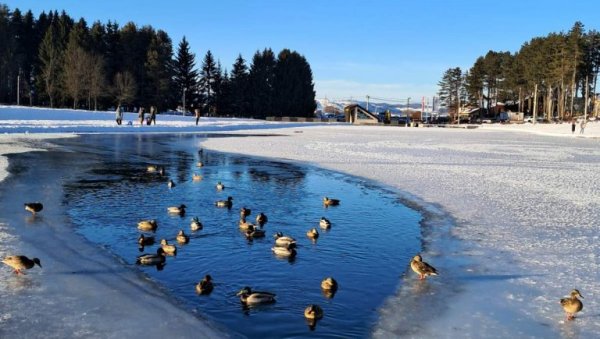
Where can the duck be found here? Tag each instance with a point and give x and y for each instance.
(225, 203)
(261, 219)
(205, 286)
(171, 183)
(281, 251)
(249, 297)
(283, 240)
(177, 209)
(195, 224)
(151, 168)
(145, 241)
(329, 284)
(220, 186)
(244, 212)
(313, 234)
(182, 238)
(572, 305)
(34, 207)
(254, 232)
(199, 164)
(21, 262)
(330, 202)
(422, 268)
(168, 248)
(324, 223)
(244, 225)
(151, 259)
(196, 177)
(313, 312)
(148, 225)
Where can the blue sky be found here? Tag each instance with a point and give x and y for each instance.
(388, 49)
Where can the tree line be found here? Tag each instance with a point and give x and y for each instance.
(553, 76)
(55, 61)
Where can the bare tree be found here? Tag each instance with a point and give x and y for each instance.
(125, 87)
(96, 81)
(75, 72)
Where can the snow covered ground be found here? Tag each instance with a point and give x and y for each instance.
(523, 200)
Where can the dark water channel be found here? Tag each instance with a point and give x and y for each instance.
(372, 238)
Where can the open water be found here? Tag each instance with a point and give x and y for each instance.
(371, 240)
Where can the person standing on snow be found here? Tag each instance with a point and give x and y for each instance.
(197, 112)
(153, 114)
(141, 115)
(119, 115)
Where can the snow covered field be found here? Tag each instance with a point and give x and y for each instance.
(523, 199)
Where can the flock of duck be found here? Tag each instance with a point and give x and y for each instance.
(284, 246)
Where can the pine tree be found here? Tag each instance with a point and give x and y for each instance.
(185, 74)
(293, 87)
(260, 83)
(207, 83)
(51, 57)
(238, 90)
(159, 69)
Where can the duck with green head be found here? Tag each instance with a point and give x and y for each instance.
(249, 297)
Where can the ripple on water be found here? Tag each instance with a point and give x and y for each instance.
(371, 239)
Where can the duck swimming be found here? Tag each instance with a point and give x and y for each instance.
(220, 186)
(244, 225)
(21, 262)
(313, 312)
(34, 207)
(148, 225)
(145, 241)
(244, 212)
(182, 238)
(168, 248)
(572, 305)
(205, 286)
(177, 209)
(261, 219)
(329, 284)
(249, 297)
(313, 234)
(225, 203)
(253, 232)
(196, 177)
(283, 240)
(324, 223)
(199, 164)
(151, 259)
(195, 225)
(422, 268)
(280, 251)
(171, 183)
(330, 202)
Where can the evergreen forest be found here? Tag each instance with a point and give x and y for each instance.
(55, 61)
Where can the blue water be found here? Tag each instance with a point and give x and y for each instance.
(372, 238)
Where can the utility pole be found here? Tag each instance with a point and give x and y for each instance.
(585, 110)
(458, 106)
(535, 104)
(407, 105)
(367, 103)
(18, 88)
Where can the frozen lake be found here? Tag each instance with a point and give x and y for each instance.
(372, 238)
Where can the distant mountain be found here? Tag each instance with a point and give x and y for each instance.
(332, 106)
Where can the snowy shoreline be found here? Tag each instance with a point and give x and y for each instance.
(523, 205)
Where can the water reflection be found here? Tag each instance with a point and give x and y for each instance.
(366, 240)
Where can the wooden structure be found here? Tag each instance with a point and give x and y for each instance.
(356, 114)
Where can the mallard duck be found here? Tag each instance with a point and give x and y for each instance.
(254, 232)
(225, 203)
(177, 209)
(281, 251)
(329, 284)
(313, 312)
(182, 238)
(196, 177)
(34, 207)
(244, 212)
(249, 297)
(220, 186)
(151, 259)
(422, 268)
(325, 223)
(283, 240)
(171, 183)
(313, 234)
(572, 305)
(205, 286)
(200, 164)
(261, 219)
(145, 241)
(21, 262)
(168, 248)
(195, 224)
(148, 225)
(161, 171)
(152, 168)
(244, 225)
(330, 202)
